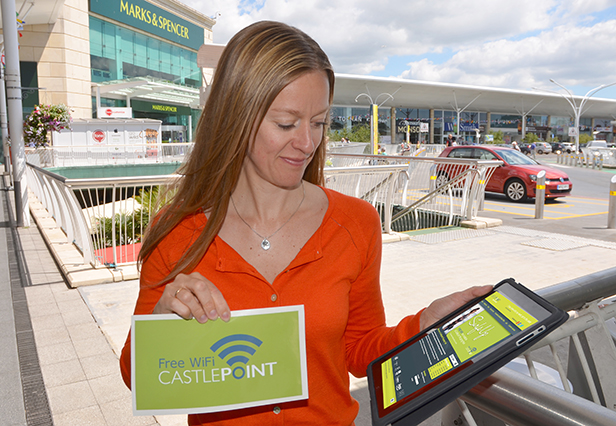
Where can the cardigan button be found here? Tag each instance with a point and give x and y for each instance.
(277, 410)
(274, 297)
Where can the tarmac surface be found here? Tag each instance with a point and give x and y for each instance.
(59, 346)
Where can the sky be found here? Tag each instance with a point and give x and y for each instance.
(515, 44)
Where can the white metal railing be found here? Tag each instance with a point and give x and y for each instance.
(89, 155)
(587, 392)
(106, 217)
(103, 217)
(418, 192)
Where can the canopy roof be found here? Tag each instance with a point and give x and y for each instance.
(149, 89)
(428, 95)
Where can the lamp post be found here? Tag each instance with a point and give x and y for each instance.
(374, 117)
(577, 109)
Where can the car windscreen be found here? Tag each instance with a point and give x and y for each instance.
(516, 158)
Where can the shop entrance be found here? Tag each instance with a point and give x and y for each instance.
(174, 134)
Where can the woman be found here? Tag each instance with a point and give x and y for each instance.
(251, 226)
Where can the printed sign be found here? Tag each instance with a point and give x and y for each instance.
(183, 367)
(107, 112)
(98, 135)
(152, 19)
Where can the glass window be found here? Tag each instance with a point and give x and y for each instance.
(461, 153)
(484, 154)
(504, 121)
(118, 52)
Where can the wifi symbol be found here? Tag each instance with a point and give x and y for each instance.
(234, 353)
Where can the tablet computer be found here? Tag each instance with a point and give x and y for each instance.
(421, 376)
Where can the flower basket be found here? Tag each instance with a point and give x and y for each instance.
(44, 120)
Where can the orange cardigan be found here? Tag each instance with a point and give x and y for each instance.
(335, 276)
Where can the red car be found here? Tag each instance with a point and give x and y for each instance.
(516, 178)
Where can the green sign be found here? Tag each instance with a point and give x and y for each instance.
(152, 19)
(145, 106)
(183, 367)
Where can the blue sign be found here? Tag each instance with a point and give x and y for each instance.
(464, 127)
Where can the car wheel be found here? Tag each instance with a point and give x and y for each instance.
(515, 190)
(441, 179)
(539, 151)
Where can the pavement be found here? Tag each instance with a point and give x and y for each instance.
(59, 344)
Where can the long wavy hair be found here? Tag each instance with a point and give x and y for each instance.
(257, 63)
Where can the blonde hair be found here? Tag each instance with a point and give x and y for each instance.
(257, 63)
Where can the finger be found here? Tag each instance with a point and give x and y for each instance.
(170, 303)
(211, 301)
(222, 308)
(190, 304)
(478, 291)
(206, 301)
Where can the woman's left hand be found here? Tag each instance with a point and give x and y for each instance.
(444, 306)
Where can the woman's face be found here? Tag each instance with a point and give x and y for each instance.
(290, 133)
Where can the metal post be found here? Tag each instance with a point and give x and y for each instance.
(540, 195)
(611, 213)
(4, 125)
(13, 94)
(374, 128)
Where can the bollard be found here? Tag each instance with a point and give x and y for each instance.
(540, 195)
(611, 213)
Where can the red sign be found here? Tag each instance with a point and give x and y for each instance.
(98, 136)
(108, 111)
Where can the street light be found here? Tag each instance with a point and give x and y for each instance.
(374, 116)
(577, 109)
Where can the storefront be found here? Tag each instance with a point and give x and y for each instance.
(133, 54)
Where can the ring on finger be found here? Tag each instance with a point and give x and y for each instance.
(177, 291)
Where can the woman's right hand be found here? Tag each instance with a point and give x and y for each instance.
(193, 296)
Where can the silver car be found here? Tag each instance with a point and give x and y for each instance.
(543, 148)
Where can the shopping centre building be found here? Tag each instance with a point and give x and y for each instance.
(115, 57)
(140, 58)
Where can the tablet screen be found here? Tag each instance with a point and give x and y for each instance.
(443, 351)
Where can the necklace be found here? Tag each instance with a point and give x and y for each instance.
(265, 244)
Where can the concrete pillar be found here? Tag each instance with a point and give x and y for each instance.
(488, 123)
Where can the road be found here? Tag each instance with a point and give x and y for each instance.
(583, 214)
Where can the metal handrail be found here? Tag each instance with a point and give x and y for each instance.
(521, 401)
(439, 190)
(379, 184)
(469, 199)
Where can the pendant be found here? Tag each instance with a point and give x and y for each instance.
(265, 245)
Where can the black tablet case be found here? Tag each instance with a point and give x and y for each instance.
(417, 410)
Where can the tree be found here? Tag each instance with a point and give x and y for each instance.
(356, 134)
(585, 138)
(531, 138)
(498, 136)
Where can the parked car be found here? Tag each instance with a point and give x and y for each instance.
(525, 148)
(569, 147)
(558, 147)
(516, 178)
(543, 148)
(596, 144)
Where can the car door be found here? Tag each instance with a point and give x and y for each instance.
(497, 180)
(458, 152)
